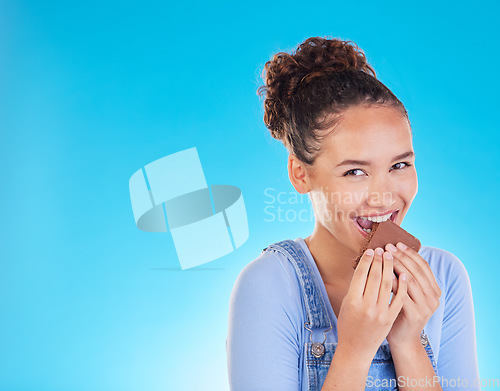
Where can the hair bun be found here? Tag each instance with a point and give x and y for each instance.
(319, 56)
(313, 58)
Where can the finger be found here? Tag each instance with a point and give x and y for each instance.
(358, 281)
(423, 300)
(416, 271)
(400, 297)
(386, 284)
(403, 260)
(409, 305)
(414, 289)
(424, 265)
(374, 277)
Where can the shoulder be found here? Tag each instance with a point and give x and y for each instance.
(268, 273)
(446, 266)
(439, 257)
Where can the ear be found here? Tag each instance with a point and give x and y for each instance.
(299, 175)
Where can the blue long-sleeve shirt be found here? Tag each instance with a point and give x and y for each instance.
(266, 324)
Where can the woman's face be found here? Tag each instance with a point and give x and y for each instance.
(366, 169)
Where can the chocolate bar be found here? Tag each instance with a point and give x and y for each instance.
(387, 232)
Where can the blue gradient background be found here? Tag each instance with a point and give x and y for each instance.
(92, 91)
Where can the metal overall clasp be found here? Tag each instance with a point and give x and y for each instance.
(317, 348)
(424, 339)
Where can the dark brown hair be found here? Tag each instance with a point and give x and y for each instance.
(307, 91)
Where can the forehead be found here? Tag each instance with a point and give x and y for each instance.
(367, 131)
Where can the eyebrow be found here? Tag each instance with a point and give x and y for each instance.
(351, 162)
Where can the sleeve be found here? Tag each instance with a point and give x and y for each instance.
(263, 342)
(457, 363)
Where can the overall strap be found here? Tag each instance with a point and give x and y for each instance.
(316, 312)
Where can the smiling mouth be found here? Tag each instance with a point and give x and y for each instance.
(366, 223)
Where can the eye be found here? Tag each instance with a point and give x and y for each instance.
(353, 172)
(398, 166)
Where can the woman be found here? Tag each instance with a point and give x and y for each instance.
(301, 317)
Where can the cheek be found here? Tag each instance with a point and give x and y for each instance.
(345, 202)
(408, 186)
(352, 196)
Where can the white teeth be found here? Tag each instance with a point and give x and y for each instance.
(366, 229)
(377, 219)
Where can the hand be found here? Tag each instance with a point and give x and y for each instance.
(365, 315)
(423, 296)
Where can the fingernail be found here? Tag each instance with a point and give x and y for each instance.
(403, 276)
(388, 256)
(379, 251)
(392, 248)
(402, 246)
(369, 252)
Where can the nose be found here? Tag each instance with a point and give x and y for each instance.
(381, 194)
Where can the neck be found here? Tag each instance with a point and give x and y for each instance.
(334, 260)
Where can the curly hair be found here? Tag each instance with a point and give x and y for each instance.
(307, 91)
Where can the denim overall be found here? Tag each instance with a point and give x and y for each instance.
(318, 354)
